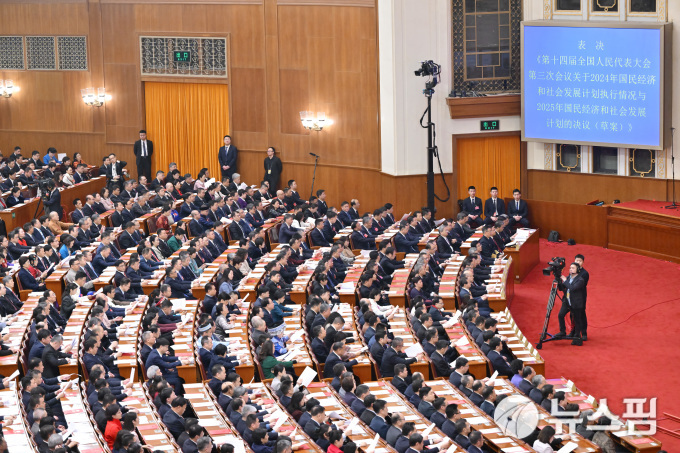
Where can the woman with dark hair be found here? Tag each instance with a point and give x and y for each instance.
(268, 361)
(66, 248)
(27, 280)
(226, 282)
(113, 424)
(545, 438)
(335, 439)
(68, 302)
(124, 439)
(105, 200)
(273, 211)
(77, 159)
(221, 323)
(322, 441)
(296, 407)
(130, 421)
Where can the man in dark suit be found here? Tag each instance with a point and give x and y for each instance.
(399, 381)
(378, 424)
(579, 259)
(440, 363)
(126, 240)
(499, 362)
(317, 234)
(403, 242)
(518, 210)
(394, 355)
(53, 200)
(476, 442)
(143, 150)
(473, 206)
(329, 230)
(493, 207)
(337, 356)
(287, 231)
(52, 357)
(361, 239)
(227, 156)
(167, 364)
(319, 417)
(318, 345)
(173, 419)
(574, 301)
(525, 384)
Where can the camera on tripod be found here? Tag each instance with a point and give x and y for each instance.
(45, 186)
(555, 267)
(429, 69)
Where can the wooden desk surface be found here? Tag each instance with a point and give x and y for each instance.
(396, 402)
(517, 342)
(151, 429)
(635, 443)
(494, 438)
(361, 434)
(504, 387)
(17, 434)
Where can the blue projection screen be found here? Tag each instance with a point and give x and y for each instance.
(593, 84)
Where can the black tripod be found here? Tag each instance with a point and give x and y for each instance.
(545, 336)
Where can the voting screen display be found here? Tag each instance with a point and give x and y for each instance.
(593, 85)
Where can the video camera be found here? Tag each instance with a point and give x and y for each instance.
(429, 69)
(555, 267)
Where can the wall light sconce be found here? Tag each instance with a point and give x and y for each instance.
(7, 88)
(312, 123)
(95, 100)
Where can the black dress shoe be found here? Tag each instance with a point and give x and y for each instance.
(559, 336)
(577, 342)
(584, 337)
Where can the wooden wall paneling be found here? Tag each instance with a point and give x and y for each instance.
(583, 188)
(644, 233)
(585, 224)
(273, 86)
(248, 99)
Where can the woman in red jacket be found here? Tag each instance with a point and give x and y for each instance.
(113, 424)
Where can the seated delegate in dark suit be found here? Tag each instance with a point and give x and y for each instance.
(518, 210)
(402, 242)
(334, 358)
(317, 234)
(473, 206)
(360, 239)
(493, 207)
(393, 356)
(499, 362)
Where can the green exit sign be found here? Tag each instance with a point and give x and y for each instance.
(494, 125)
(181, 56)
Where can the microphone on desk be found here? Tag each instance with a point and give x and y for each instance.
(312, 154)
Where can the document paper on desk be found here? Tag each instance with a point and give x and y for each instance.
(571, 446)
(414, 350)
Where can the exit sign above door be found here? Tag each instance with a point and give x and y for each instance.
(493, 125)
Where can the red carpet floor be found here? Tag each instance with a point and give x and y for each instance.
(657, 207)
(632, 348)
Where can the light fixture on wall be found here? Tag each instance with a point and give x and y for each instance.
(312, 123)
(95, 100)
(7, 88)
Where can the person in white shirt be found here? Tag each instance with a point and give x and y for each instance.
(545, 438)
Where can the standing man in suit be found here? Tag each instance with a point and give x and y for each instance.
(227, 156)
(143, 150)
(574, 301)
(578, 259)
(272, 170)
(518, 210)
(473, 206)
(493, 207)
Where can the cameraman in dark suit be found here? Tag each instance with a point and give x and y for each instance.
(473, 206)
(579, 259)
(143, 150)
(574, 301)
(52, 199)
